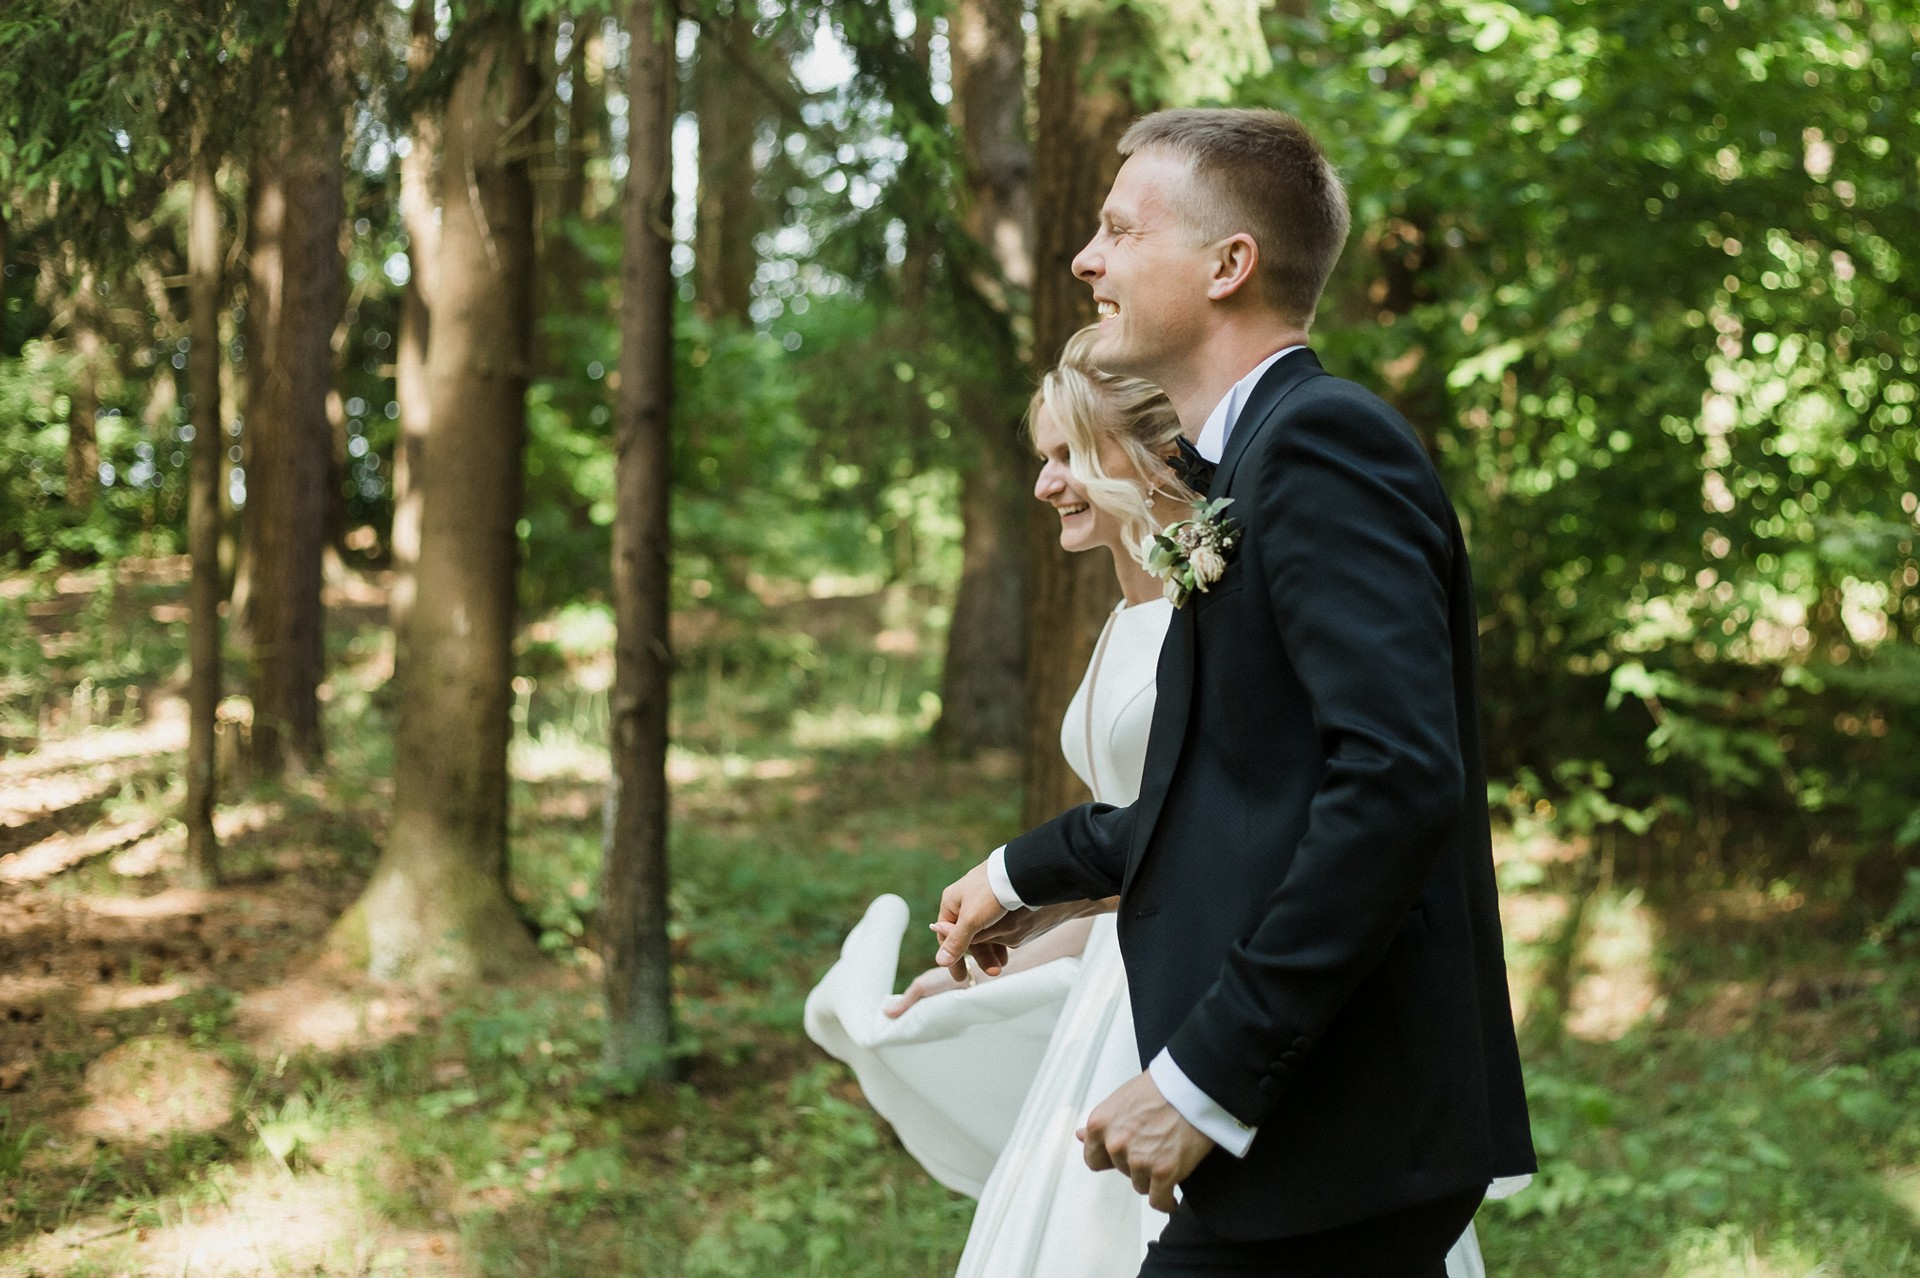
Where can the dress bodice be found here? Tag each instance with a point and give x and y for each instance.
(1104, 736)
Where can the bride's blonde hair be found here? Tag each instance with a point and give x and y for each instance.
(1090, 406)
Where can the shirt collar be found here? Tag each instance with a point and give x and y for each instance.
(1220, 422)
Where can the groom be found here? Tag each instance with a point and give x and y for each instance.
(1307, 905)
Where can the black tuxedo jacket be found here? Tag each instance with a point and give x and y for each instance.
(1307, 904)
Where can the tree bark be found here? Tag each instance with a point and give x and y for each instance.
(1083, 110)
(729, 212)
(293, 448)
(633, 891)
(410, 355)
(83, 403)
(982, 694)
(266, 229)
(437, 906)
(203, 517)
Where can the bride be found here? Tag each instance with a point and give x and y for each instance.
(987, 1083)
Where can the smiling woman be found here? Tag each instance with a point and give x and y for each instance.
(1102, 441)
(1054, 1019)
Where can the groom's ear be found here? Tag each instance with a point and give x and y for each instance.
(1235, 262)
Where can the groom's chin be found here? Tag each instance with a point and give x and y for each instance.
(1109, 352)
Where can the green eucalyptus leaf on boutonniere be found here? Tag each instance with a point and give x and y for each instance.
(1192, 554)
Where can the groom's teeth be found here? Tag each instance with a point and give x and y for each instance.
(1108, 310)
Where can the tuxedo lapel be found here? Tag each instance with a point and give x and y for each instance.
(1287, 374)
(1174, 677)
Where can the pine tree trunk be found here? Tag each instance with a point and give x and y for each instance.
(982, 693)
(729, 213)
(410, 354)
(293, 450)
(437, 907)
(982, 684)
(1083, 110)
(633, 894)
(203, 518)
(83, 404)
(266, 228)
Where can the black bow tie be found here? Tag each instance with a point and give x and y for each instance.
(1195, 471)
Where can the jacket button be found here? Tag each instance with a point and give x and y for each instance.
(1301, 1044)
(1290, 1058)
(1269, 1087)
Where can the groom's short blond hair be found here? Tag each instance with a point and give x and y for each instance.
(1260, 172)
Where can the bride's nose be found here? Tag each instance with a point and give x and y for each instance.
(1050, 482)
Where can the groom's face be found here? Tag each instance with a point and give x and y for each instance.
(1150, 267)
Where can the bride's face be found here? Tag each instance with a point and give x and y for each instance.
(1083, 525)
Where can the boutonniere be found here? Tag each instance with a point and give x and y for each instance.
(1192, 554)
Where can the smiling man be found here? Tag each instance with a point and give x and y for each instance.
(1307, 903)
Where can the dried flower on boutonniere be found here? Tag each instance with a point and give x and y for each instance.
(1192, 554)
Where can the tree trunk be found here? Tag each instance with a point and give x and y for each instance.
(203, 518)
(981, 690)
(729, 213)
(981, 685)
(293, 450)
(1083, 110)
(266, 277)
(83, 404)
(437, 906)
(410, 356)
(633, 894)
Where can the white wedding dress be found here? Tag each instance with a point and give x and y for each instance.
(986, 1085)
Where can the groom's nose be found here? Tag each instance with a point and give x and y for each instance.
(1087, 263)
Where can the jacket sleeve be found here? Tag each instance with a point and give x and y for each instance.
(1348, 532)
(1080, 855)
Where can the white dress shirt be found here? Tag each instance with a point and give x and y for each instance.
(1180, 1091)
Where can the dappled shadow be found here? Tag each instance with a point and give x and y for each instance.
(1721, 1078)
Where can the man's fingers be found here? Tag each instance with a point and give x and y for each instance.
(1160, 1194)
(965, 907)
(1095, 1151)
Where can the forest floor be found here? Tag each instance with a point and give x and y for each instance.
(1725, 1078)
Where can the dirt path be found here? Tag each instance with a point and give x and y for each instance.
(140, 1024)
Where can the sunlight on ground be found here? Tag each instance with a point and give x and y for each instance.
(322, 1015)
(164, 732)
(263, 1221)
(845, 726)
(152, 1087)
(1617, 986)
(1730, 1252)
(686, 767)
(1904, 1188)
(558, 756)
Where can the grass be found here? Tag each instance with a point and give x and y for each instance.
(1723, 1078)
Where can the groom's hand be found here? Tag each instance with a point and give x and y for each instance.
(1137, 1133)
(966, 907)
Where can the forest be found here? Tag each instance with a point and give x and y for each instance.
(515, 525)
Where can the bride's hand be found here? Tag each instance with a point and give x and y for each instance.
(926, 985)
(1021, 926)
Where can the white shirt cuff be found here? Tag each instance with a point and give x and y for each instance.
(1200, 1109)
(1002, 885)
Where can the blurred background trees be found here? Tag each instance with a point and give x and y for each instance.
(1655, 317)
(414, 416)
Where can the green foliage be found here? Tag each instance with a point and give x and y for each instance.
(139, 504)
(1655, 315)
